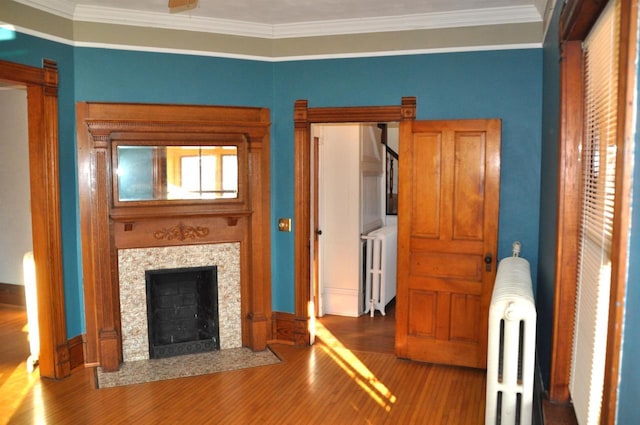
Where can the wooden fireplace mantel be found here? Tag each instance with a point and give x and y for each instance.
(108, 225)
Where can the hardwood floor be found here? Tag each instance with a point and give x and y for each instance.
(336, 381)
(375, 334)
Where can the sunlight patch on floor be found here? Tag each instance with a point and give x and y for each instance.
(350, 363)
(15, 389)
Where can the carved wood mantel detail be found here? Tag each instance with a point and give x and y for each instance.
(181, 232)
(108, 224)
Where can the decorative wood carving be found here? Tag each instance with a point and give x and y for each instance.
(303, 117)
(181, 232)
(108, 225)
(42, 110)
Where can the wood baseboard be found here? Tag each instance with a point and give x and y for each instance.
(282, 325)
(558, 413)
(286, 327)
(546, 411)
(12, 294)
(76, 352)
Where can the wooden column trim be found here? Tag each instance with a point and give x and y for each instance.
(42, 111)
(622, 208)
(303, 118)
(568, 217)
(259, 240)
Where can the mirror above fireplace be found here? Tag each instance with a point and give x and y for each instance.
(175, 172)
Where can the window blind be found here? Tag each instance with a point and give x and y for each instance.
(598, 196)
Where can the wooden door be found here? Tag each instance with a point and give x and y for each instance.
(447, 230)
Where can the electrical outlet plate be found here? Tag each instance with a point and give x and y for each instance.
(284, 224)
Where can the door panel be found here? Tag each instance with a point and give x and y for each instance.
(447, 225)
(426, 153)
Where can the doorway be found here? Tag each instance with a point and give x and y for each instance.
(350, 197)
(15, 225)
(304, 117)
(41, 85)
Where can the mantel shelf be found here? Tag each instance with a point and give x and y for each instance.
(132, 215)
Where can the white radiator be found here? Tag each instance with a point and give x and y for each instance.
(511, 345)
(380, 268)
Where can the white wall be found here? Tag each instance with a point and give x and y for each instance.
(351, 200)
(15, 208)
(340, 219)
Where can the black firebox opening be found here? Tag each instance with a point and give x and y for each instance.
(182, 311)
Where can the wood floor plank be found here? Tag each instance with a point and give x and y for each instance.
(328, 383)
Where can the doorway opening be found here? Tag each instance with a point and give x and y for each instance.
(306, 263)
(354, 245)
(16, 284)
(42, 123)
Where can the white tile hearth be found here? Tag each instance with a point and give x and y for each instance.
(151, 370)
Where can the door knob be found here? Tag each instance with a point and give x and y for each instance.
(488, 259)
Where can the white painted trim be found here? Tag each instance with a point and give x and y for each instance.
(188, 22)
(340, 301)
(547, 15)
(182, 21)
(463, 49)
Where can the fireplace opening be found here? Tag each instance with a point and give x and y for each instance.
(182, 311)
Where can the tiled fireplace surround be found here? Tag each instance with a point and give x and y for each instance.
(132, 264)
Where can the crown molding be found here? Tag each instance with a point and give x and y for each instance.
(183, 21)
(187, 22)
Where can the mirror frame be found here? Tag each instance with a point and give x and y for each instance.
(239, 141)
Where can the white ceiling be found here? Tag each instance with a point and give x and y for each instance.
(274, 12)
(274, 16)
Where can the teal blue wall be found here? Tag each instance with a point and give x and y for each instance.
(103, 75)
(493, 84)
(548, 196)
(519, 86)
(628, 412)
(28, 50)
